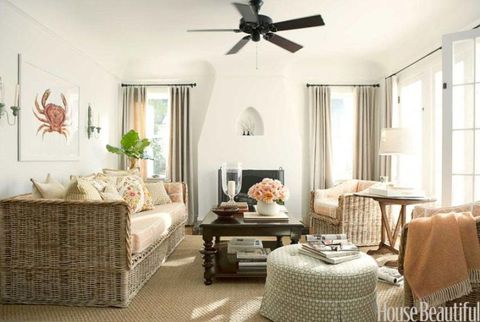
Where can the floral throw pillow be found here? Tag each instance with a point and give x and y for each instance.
(132, 191)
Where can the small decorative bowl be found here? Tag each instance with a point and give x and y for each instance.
(226, 212)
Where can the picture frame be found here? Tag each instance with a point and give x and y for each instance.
(48, 128)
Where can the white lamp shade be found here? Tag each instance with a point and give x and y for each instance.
(396, 141)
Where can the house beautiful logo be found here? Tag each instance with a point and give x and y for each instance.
(458, 312)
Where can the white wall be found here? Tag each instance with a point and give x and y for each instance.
(280, 96)
(21, 34)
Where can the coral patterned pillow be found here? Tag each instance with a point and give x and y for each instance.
(132, 191)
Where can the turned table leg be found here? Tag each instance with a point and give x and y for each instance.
(208, 259)
(279, 241)
(295, 236)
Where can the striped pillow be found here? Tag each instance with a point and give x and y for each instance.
(80, 189)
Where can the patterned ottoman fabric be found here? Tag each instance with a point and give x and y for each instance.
(302, 288)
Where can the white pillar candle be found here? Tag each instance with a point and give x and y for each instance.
(231, 188)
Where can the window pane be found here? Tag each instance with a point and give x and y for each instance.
(462, 187)
(158, 131)
(342, 134)
(462, 106)
(463, 61)
(477, 188)
(410, 172)
(462, 152)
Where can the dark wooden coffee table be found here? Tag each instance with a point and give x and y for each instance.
(218, 263)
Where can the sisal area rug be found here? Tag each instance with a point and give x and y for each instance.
(177, 293)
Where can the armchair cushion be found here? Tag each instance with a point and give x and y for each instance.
(326, 207)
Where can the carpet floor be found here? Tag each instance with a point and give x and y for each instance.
(177, 293)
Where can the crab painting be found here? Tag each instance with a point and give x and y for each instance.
(54, 118)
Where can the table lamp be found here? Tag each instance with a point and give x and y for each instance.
(396, 142)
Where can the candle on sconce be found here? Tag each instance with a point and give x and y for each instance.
(98, 119)
(231, 188)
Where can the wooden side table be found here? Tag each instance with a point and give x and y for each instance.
(392, 235)
(216, 261)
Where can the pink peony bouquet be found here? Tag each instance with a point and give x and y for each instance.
(269, 191)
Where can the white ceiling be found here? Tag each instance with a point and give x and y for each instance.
(140, 39)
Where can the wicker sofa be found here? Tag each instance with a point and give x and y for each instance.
(338, 210)
(470, 299)
(80, 252)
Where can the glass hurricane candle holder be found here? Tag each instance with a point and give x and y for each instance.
(231, 180)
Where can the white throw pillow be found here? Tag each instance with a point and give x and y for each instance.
(158, 192)
(50, 189)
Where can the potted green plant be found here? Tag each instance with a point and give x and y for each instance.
(132, 147)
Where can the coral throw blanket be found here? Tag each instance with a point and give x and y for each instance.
(442, 257)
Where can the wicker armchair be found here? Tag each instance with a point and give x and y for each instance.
(471, 298)
(55, 251)
(338, 210)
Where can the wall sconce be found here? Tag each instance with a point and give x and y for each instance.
(15, 109)
(91, 129)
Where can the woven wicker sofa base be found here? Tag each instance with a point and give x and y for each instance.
(84, 287)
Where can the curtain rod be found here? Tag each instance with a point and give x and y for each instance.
(343, 85)
(421, 58)
(159, 85)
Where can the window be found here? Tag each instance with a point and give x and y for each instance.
(410, 115)
(420, 110)
(158, 130)
(342, 133)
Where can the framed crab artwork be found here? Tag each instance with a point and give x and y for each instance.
(48, 125)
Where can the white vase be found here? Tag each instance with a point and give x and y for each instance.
(267, 209)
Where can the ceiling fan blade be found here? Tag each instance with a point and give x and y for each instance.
(239, 45)
(283, 42)
(213, 30)
(306, 22)
(247, 11)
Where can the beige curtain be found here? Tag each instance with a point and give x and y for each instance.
(391, 99)
(134, 105)
(320, 138)
(364, 142)
(180, 166)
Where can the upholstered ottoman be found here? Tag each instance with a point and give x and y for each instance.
(302, 288)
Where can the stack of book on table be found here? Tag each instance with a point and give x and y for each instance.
(250, 255)
(330, 248)
(254, 217)
(390, 275)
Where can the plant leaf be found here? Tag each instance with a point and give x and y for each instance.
(141, 145)
(113, 149)
(129, 139)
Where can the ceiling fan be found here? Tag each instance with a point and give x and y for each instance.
(257, 26)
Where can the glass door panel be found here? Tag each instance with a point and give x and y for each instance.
(462, 152)
(461, 117)
(463, 61)
(462, 189)
(463, 112)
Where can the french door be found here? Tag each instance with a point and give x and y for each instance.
(461, 118)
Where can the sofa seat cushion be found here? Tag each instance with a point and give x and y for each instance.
(147, 227)
(326, 207)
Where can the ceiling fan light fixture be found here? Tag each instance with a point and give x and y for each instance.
(256, 25)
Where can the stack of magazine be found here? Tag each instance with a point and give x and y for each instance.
(250, 255)
(330, 248)
(390, 275)
(243, 244)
